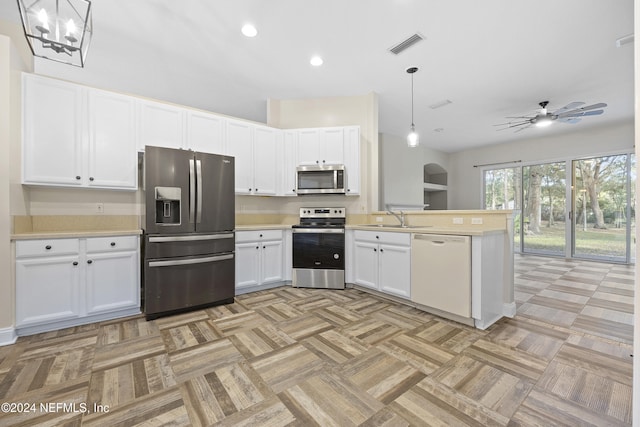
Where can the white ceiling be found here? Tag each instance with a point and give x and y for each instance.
(491, 58)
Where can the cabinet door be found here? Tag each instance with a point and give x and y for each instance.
(240, 146)
(113, 162)
(265, 160)
(290, 156)
(247, 264)
(272, 261)
(160, 125)
(365, 264)
(332, 146)
(112, 282)
(308, 146)
(352, 159)
(205, 133)
(47, 289)
(52, 132)
(395, 270)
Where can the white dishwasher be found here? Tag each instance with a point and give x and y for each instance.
(441, 272)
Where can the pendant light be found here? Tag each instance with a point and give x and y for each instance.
(59, 30)
(412, 139)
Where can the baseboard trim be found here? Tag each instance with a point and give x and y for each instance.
(509, 309)
(8, 336)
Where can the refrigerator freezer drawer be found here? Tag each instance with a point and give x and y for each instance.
(170, 246)
(181, 284)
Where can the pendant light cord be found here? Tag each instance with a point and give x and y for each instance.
(412, 124)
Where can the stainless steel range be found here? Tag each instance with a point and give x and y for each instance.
(318, 248)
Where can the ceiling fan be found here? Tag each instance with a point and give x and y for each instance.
(571, 113)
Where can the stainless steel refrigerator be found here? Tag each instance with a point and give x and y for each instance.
(189, 240)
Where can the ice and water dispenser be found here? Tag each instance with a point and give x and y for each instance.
(168, 205)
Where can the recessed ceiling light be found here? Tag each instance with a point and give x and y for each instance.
(316, 61)
(249, 30)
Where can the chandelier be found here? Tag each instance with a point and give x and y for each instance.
(59, 30)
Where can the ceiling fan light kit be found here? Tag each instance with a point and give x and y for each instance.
(59, 30)
(571, 113)
(413, 140)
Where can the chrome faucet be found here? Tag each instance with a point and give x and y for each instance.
(398, 217)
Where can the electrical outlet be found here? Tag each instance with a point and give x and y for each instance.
(458, 221)
(476, 221)
(100, 207)
(379, 219)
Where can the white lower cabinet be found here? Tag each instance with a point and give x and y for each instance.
(382, 261)
(68, 282)
(259, 259)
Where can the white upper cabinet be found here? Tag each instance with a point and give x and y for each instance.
(240, 146)
(52, 132)
(320, 146)
(352, 159)
(289, 159)
(69, 136)
(256, 150)
(266, 160)
(206, 132)
(161, 125)
(112, 149)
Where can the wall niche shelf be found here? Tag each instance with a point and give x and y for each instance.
(435, 187)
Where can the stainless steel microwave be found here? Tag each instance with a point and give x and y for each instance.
(325, 179)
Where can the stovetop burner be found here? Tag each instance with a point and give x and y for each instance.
(322, 218)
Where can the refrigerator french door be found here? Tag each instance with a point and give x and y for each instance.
(189, 259)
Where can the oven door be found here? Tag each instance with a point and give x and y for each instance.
(318, 258)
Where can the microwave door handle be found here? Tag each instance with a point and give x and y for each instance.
(199, 191)
(192, 191)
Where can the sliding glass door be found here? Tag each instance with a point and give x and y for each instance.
(593, 218)
(602, 203)
(544, 208)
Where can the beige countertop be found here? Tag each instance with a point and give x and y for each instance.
(457, 231)
(36, 235)
(251, 227)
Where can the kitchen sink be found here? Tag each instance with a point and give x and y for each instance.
(393, 226)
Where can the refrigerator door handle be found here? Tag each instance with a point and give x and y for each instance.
(199, 191)
(190, 238)
(192, 191)
(170, 263)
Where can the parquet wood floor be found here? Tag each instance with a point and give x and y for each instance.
(308, 357)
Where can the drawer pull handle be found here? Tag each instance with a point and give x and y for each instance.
(89, 262)
(113, 243)
(47, 247)
(75, 262)
(78, 177)
(90, 178)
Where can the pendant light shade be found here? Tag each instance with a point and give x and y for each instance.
(59, 30)
(413, 139)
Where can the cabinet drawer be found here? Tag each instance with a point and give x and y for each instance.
(402, 239)
(258, 235)
(29, 248)
(112, 244)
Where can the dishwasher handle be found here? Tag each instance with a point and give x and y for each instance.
(439, 240)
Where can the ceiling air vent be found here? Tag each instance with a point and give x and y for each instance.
(406, 44)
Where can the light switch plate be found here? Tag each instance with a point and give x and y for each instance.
(476, 221)
(458, 221)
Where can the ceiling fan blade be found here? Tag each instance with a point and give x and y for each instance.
(523, 128)
(583, 114)
(581, 109)
(568, 107)
(570, 120)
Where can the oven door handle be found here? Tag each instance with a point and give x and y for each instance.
(161, 239)
(171, 263)
(319, 230)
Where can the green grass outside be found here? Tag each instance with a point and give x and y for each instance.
(610, 242)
